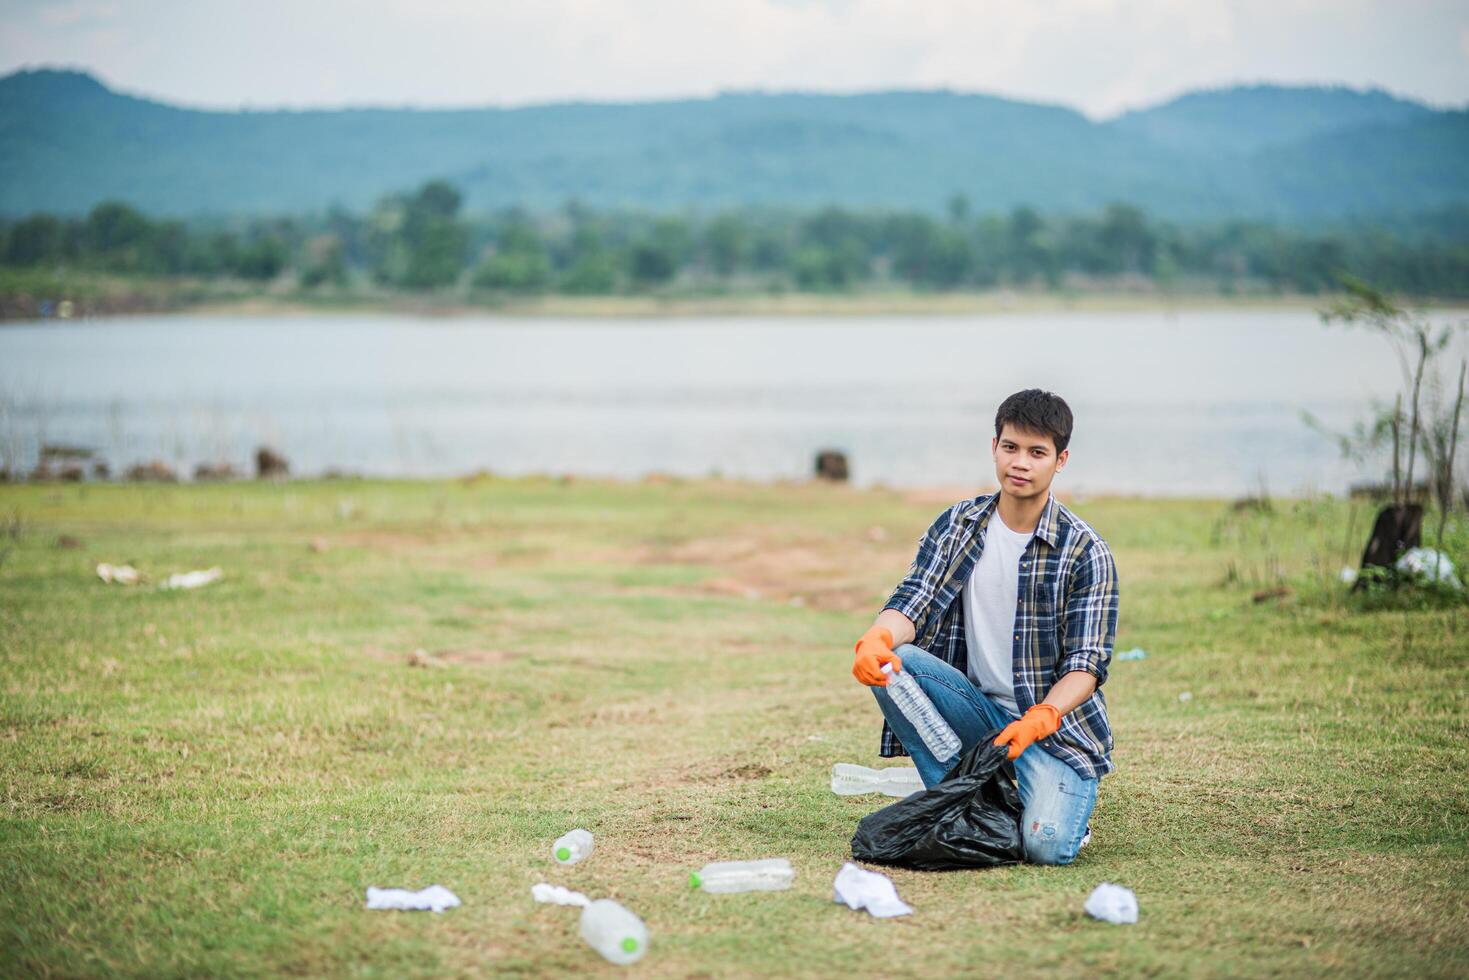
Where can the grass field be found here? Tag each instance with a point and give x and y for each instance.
(204, 783)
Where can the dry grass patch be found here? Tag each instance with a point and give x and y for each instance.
(831, 573)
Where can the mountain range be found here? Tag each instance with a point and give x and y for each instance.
(1298, 155)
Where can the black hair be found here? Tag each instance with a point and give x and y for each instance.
(1037, 411)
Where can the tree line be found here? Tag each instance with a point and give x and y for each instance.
(422, 240)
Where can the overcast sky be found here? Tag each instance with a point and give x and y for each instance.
(1101, 56)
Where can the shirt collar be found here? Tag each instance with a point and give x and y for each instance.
(980, 507)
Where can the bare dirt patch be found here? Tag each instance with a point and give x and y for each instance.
(477, 657)
(392, 541)
(940, 496)
(832, 573)
(472, 656)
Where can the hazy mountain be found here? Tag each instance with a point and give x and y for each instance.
(1249, 118)
(67, 142)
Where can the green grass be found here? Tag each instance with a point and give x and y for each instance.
(204, 783)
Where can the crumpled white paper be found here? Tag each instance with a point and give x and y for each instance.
(120, 574)
(858, 889)
(556, 895)
(192, 580)
(1112, 903)
(434, 898)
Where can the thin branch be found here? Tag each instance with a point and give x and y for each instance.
(1422, 334)
(1443, 512)
(1397, 428)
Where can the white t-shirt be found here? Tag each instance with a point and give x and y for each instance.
(990, 597)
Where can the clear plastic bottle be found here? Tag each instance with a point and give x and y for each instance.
(572, 846)
(851, 780)
(727, 877)
(613, 931)
(919, 710)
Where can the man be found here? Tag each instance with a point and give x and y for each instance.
(1006, 620)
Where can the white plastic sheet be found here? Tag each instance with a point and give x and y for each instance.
(434, 898)
(1112, 903)
(859, 889)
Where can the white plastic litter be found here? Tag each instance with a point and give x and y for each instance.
(1185, 695)
(1136, 653)
(556, 895)
(853, 780)
(729, 877)
(1429, 565)
(434, 898)
(1348, 574)
(910, 698)
(193, 580)
(1112, 903)
(859, 889)
(614, 931)
(117, 574)
(572, 846)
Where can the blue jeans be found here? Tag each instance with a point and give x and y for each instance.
(1058, 802)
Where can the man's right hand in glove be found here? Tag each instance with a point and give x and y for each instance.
(873, 650)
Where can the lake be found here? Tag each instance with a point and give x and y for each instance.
(1201, 402)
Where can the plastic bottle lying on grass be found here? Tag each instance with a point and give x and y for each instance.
(728, 877)
(613, 931)
(609, 928)
(853, 780)
(572, 846)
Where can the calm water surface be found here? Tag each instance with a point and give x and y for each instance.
(1189, 403)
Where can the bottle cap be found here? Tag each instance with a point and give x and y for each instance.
(887, 668)
(629, 945)
(694, 880)
(563, 854)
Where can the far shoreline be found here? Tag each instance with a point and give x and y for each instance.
(921, 495)
(121, 300)
(792, 305)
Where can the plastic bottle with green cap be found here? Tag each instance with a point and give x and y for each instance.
(571, 847)
(612, 930)
(727, 877)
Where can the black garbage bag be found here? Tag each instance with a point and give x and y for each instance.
(969, 820)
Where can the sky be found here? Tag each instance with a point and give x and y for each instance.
(1099, 56)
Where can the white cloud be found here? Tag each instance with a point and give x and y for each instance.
(76, 12)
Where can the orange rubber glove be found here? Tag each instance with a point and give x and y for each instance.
(1039, 722)
(873, 650)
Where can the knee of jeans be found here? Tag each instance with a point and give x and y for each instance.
(1044, 844)
(917, 655)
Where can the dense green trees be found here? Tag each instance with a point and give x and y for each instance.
(422, 241)
(117, 238)
(518, 261)
(416, 241)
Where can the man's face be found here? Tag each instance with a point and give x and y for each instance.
(1026, 462)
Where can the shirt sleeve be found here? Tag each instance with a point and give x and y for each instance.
(1091, 614)
(915, 594)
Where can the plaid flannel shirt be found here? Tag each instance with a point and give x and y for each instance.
(1065, 620)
